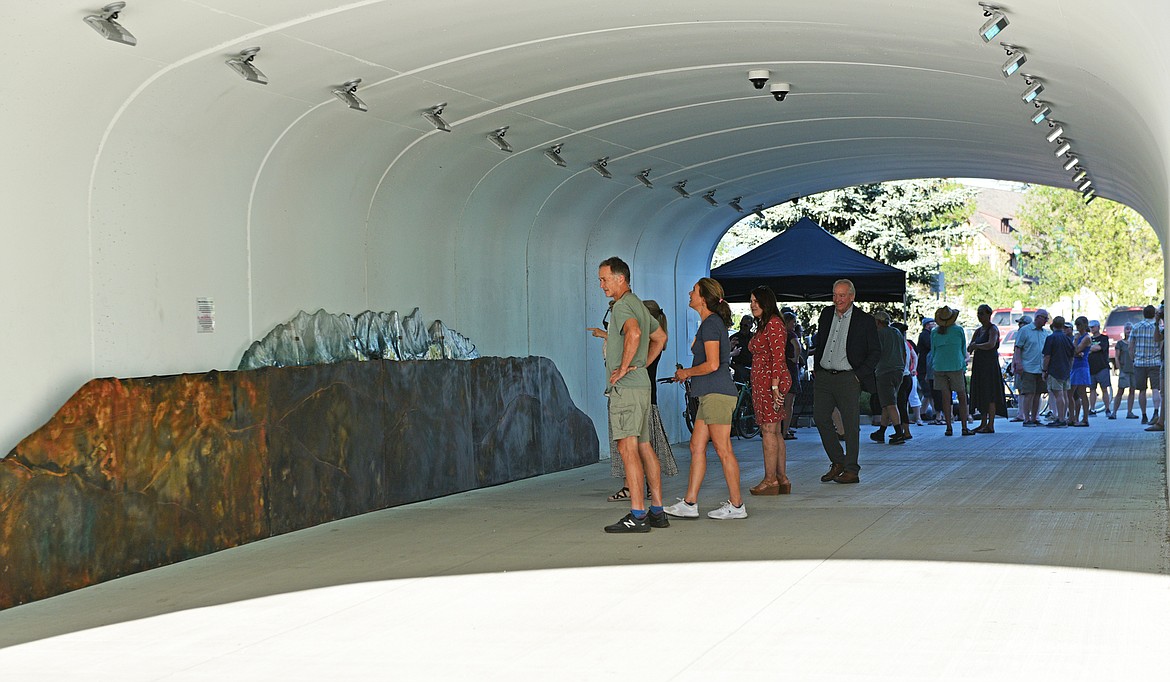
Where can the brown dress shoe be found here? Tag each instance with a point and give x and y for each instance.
(834, 471)
(847, 477)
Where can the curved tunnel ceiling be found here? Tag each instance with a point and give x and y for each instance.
(172, 175)
(901, 90)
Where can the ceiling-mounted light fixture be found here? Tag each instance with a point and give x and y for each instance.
(681, 188)
(497, 138)
(1035, 87)
(107, 25)
(1063, 148)
(435, 116)
(644, 178)
(734, 203)
(781, 90)
(1080, 175)
(1090, 196)
(1072, 163)
(554, 154)
(600, 166)
(1084, 185)
(996, 22)
(242, 64)
(1016, 59)
(759, 212)
(709, 197)
(1057, 131)
(1043, 111)
(345, 93)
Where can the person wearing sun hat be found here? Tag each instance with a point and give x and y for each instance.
(948, 346)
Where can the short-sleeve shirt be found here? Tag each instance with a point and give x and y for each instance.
(1030, 341)
(948, 351)
(1059, 349)
(893, 351)
(626, 307)
(1146, 353)
(1098, 360)
(719, 381)
(1124, 356)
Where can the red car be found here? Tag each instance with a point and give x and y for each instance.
(1007, 345)
(1005, 319)
(1115, 324)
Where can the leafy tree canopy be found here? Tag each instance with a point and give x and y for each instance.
(1104, 246)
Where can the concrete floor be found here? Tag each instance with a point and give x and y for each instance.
(1030, 553)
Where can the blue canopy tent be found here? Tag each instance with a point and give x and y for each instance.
(801, 264)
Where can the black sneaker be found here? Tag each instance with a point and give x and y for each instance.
(878, 436)
(897, 439)
(629, 524)
(658, 520)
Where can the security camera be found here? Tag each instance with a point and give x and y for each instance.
(780, 91)
(759, 77)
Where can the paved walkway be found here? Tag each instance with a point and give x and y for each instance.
(1030, 553)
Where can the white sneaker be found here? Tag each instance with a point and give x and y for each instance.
(683, 509)
(728, 511)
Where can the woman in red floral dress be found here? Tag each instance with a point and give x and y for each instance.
(770, 382)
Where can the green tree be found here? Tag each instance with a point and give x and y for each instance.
(980, 283)
(1104, 246)
(908, 224)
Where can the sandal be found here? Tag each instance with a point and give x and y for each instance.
(620, 496)
(949, 431)
(968, 432)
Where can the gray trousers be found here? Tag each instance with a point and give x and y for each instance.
(841, 391)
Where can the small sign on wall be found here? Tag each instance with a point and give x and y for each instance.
(205, 315)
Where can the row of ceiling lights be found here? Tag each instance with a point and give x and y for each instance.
(996, 22)
(106, 23)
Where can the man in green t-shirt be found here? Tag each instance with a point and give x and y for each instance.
(634, 341)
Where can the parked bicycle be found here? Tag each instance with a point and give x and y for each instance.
(743, 418)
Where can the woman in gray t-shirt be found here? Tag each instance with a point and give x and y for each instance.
(710, 377)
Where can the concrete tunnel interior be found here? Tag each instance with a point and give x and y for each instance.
(139, 179)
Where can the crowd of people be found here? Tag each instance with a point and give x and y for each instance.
(1070, 363)
(852, 351)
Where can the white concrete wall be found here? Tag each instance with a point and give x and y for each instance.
(135, 180)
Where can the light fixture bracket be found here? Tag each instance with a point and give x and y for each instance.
(346, 92)
(997, 21)
(242, 64)
(734, 203)
(435, 116)
(600, 166)
(644, 178)
(681, 188)
(554, 154)
(497, 138)
(709, 197)
(107, 24)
